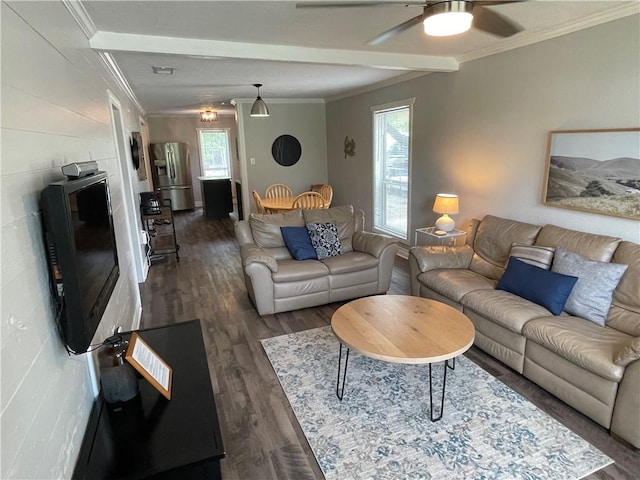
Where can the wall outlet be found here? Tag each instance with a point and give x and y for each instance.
(144, 237)
(253, 160)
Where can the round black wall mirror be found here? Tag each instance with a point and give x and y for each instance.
(286, 150)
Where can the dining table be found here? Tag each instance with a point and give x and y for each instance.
(277, 204)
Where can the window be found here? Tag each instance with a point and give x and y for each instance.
(214, 153)
(391, 157)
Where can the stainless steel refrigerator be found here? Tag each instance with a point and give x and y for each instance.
(171, 172)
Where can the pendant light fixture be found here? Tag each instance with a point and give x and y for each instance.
(259, 108)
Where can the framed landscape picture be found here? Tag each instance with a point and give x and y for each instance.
(594, 171)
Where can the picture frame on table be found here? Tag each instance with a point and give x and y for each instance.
(594, 171)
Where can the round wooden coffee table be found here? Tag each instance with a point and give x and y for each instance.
(402, 329)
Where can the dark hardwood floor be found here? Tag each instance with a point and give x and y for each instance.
(261, 436)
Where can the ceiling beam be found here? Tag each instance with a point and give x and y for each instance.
(127, 42)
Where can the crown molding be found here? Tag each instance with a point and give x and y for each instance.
(84, 21)
(270, 100)
(376, 86)
(82, 18)
(528, 38)
(119, 78)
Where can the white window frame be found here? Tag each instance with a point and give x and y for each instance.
(228, 134)
(406, 103)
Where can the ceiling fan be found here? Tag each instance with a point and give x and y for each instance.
(441, 18)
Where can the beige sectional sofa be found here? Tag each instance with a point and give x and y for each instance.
(593, 368)
(276, 282)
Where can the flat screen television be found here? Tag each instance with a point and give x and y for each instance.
(81, 248)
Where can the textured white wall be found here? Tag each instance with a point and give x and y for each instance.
(182, 128)
(55, 111)
(306, 122)
(482, 132)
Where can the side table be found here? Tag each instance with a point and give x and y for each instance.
(151, 437)
(451, 237)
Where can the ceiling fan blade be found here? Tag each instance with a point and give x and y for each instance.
(488, 3)
(492, 22)
(392, 32)
(356, 4)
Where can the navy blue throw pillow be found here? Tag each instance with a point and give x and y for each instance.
(298, 243)
(546, 288)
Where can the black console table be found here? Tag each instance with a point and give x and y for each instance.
(151, 437)
(217, 197)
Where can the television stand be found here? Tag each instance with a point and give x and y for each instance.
(152, 437)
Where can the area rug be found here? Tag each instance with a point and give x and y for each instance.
(381, 429)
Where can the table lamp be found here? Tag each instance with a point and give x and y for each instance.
(446, 203)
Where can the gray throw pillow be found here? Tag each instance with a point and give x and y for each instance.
(591, 297)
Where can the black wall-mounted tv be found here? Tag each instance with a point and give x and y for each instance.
(81, 248)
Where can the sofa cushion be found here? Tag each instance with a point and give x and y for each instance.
(504, 308)
(298, 243)
(594, 247)
(266, 227)
(581, 342)
(549, 289)
(455, 283)
(294, 270)
(591, 297)
(324, 238)
(344, 218)
(624, 314)
(533, 255)
(493, 240)
(350, 262)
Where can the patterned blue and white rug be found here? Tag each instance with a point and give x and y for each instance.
(381, 429)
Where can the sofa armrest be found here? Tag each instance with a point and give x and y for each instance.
(625, 422)
(629, 352)
(251, 253)
(436, 257)
(372, 243)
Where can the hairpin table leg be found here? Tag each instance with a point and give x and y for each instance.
(340, 391)
(444, 384)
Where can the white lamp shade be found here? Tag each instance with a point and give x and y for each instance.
(446, 203)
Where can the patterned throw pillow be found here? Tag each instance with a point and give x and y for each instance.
(533, 254)
(325, 239)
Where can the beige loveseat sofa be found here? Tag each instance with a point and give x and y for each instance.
(276, 282)
(593, 368)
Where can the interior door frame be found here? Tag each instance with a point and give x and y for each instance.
(125, 167)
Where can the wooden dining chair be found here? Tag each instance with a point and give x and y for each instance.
(278, 190)
(259, 205)
(308, 200)
(326, 191)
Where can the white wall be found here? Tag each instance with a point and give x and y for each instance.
(481, 132)
(55, 110)
(183, 128)
(306, 122)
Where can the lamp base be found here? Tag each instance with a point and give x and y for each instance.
(446, 223)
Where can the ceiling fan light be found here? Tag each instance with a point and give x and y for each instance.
(447, 23)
